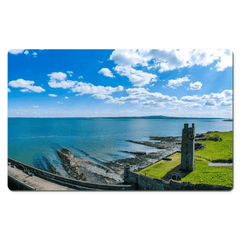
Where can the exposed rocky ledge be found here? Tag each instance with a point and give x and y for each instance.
(164, 146)
(86, 170)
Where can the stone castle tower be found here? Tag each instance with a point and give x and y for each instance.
(188, 147)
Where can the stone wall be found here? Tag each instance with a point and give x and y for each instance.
(72, 183)
(142, 182)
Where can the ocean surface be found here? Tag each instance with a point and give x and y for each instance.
(35, 140)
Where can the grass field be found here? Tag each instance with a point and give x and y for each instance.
(202, 173)
(160, 169)
(219, 149)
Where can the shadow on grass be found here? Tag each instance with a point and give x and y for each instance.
(175, 172)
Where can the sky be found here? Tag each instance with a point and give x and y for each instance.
(121, 82)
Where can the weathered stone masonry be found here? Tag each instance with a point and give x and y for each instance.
(188, 147)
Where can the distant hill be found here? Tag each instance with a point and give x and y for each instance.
(152, 117)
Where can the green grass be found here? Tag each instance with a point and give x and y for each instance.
(219, 149)
(210, 175)
(161, 168)
(202, 173)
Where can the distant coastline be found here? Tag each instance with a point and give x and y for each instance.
(131, 117)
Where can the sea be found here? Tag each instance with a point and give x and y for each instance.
(34, 141)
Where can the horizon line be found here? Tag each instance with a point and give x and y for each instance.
(147, 116)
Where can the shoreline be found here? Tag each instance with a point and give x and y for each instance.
(112, 172)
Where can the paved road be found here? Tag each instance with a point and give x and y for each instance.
(35, 182)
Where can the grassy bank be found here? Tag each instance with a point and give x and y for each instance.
(202, 173)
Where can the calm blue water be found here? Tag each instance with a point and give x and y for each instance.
(34, 140)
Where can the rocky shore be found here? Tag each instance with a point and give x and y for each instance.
(162, 147)
(86, 170)
(112, 172)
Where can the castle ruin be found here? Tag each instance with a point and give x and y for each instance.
(188, 147)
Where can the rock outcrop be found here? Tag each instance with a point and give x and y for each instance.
(86, 170)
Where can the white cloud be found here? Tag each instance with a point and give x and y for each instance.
(226, 103)
(210, 102)
(24, 90)
(70, 73)
(223, 96)
(24, 51)
(166, 60)
(26, 85)
(213, 99)
(106, 72)
(80, 77)
(58, 80)
(66, 98)
(57, 75)
(9, 90)
(195, 86)
(136, 77)
(143, 97)
(52, 95)
(225, 61)
(174, 83)
(16, 51)
(130, 57)
(193, 98)
(99, 92)
(60, 102)
(35, 106)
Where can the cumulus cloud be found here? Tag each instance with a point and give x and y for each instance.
(9, 90)
(59, 80)
(174, 83)
(226, 103)
(223, 98)
(130, 57)
(195, 86)
(52, 95)
(136, 77)
(22, 51)
(99, 92)
(225, 61)
(26, 85)
(166, 60)
(143, 97)
(16, 51)
(193, 98)
(106, 72)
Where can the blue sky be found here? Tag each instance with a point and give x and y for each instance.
(131, 82)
